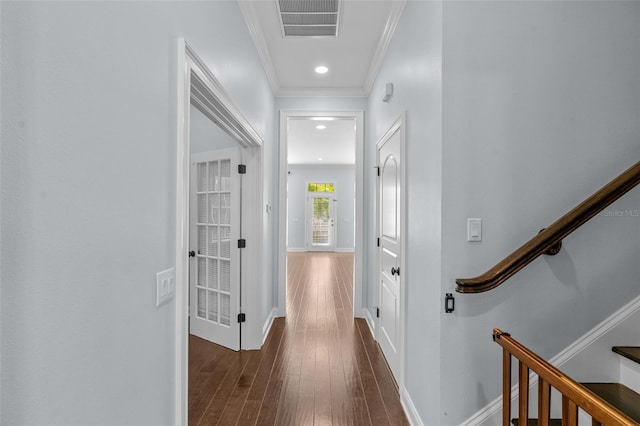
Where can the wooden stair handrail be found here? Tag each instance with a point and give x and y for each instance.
(574, 395)
(551, 237)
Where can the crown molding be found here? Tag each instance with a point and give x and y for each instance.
(257, 34)
(253, 25)
(292, 92)
(383, 44)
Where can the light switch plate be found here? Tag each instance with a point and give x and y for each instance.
(165, 286)
(474, 229)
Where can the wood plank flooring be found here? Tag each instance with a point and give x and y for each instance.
(319, 365)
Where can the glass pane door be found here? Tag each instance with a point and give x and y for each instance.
(320, 221)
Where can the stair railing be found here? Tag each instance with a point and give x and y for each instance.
(574, 395)
(549, 240)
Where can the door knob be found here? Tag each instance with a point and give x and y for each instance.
(192, 253)
(395, 271)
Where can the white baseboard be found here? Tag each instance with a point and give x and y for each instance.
(409, 408)
(296, 249)
(371, 321)
(485, 417)
(344, 250)
(266, 328)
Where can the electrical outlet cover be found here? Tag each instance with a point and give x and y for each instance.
(165, 286)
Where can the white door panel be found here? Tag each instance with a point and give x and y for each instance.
(215, 229)
(389, 303)
(390, 253)
(389, 261)
(390, 197)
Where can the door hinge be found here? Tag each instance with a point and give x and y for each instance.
(242, 169)
(377, 312)
(242, 317)
(377, 169)
(242, 243)
(378, 243)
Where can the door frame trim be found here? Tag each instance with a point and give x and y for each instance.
(211, 98)
(398, 125)
(359, 310)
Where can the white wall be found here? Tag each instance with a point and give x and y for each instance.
(344, 178)
(413, 65)
(493, 92)
(541, 105)
(88, 191)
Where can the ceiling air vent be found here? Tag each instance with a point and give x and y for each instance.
(309, 18)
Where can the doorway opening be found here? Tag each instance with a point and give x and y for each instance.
(197, 87)
(304, 174)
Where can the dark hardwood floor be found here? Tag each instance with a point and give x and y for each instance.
(318, 366)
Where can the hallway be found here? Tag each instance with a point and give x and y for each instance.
(317, 367)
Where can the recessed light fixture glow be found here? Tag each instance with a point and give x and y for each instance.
(322, 69)
(319, 158)
(321, 127)
(322, 118)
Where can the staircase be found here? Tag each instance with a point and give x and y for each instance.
(614, 404)
(620, 396)
(598, 404)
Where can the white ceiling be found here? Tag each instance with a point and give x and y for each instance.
(353, 57)
(334, 145)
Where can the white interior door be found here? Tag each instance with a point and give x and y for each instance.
(390, 253)
(321, 222)
(214, 279)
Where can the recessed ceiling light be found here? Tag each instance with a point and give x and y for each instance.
(319, 158)
(322, 69)
(321, 127)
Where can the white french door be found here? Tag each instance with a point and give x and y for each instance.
(320, 222)
(214, 278)
(389, 150)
